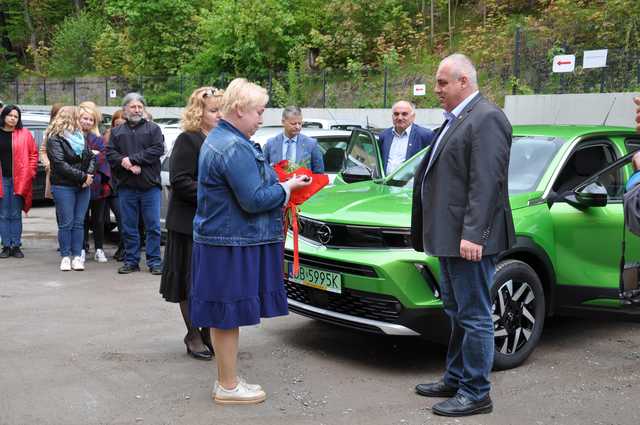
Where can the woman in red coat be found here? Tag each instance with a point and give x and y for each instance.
(18, 164)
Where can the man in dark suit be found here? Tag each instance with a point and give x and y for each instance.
(461, 215)
(404, 139)
(293, 145)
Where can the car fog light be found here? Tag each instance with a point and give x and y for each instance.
(428, 278)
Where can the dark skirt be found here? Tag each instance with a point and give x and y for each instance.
(236, 285)
(176, 270)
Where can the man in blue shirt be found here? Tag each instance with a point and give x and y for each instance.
(404, 139)
(292, 145)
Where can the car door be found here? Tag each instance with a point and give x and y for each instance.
(588, 239)
(362, 159)
(613, 179)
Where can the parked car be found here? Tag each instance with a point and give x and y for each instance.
(37, 124)
(357, 267)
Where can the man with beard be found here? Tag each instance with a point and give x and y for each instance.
(134, 153)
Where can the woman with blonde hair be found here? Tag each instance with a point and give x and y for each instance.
(237, 237)
(199, 117)
(72, 168)
(89, 117)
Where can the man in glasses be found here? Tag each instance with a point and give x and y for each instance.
(404, 139)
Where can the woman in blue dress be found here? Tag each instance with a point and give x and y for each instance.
(237, 257)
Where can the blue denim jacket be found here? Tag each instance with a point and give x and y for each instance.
(239, 197)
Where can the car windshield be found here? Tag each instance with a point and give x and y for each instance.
(530, 157)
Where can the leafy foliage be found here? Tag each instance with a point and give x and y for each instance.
(73, 46)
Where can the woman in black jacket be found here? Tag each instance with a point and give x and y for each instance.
(72, 166)
(199, 117)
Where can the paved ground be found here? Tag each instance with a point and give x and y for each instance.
(99, 348)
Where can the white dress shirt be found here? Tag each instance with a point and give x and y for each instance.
(398, 149)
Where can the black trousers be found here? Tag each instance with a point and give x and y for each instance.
(95, 215)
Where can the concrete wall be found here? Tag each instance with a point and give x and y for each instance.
(593, 108)
(596, 108)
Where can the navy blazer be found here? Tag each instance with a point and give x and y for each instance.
(419, 138)
(307, 151)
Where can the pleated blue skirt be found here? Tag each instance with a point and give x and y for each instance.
(236, 285)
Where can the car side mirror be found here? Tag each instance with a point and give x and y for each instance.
(357, 173)
(592, 195)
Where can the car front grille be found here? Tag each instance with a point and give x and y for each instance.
(354, 303)
(334, 235)
(333, 265)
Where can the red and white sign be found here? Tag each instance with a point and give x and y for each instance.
(564, 63)
(419, 89)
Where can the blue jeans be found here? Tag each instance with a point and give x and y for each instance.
(10, 215)
(132, 202)
(466, 296)
(71, 207)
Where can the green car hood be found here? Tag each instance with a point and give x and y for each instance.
(373, 204)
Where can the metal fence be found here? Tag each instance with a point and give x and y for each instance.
(527, 70)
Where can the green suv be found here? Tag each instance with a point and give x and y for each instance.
(566, 185)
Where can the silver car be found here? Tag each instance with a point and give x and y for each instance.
(333, 144)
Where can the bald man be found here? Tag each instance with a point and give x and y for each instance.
(404, 139)
(461, 214)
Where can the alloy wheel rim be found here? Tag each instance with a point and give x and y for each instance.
(513, 314)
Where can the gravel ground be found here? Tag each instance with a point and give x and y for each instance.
(96, 347)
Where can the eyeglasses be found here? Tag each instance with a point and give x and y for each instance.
(210, 92)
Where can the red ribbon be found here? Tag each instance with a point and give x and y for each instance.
(297, 198)
(290, 213)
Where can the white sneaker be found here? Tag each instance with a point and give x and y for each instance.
(100, 257)
(65, 264)
(252, 387)
(241, 394)
(83, 256)
(77, 264)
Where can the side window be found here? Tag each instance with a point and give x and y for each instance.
(614, 182)
(584, 162)
(633, 144)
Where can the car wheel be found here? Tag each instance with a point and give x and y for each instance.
(518, 313)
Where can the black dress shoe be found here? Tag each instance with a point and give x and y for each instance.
(17, 252)
(460, 405)
(6, 252)
(200, 355)
(436, 389)
(128, 268)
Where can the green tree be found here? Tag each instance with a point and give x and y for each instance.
(159, 33)
(245, 37)
(73, 46)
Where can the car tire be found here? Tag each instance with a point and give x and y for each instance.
(518, 313)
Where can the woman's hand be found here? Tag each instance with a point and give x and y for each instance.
(297, 182)
(88, 180)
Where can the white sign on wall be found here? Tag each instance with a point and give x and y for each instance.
(419, 89)
(595, 58)
(113, 93)
(564, 63)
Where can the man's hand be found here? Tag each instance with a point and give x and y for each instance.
(637, 101)
(126, 163)
(135, 169)
(470, 251)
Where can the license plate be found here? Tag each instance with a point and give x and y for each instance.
(319, 279)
